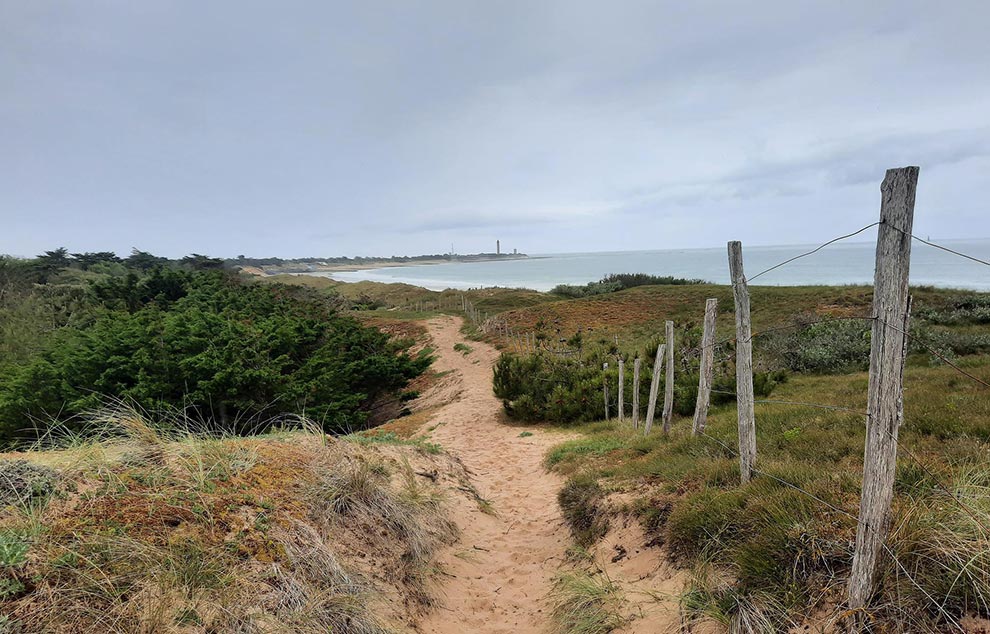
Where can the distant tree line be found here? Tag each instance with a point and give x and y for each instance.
(58, 259)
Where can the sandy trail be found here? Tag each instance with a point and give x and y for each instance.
(503, 565)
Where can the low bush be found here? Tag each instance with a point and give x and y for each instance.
(818, 347)
(617, 282)
(216, 348)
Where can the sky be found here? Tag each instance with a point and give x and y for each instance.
(326, 128)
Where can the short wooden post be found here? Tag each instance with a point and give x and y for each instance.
(668, 391)
(885, 399)
(605, 387)
(706, 370)
(622, 380)
(651, 406)
(745, 415)
(635, 398)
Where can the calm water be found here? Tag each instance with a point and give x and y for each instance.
(841, 263)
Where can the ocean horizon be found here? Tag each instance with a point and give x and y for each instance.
(836, 264)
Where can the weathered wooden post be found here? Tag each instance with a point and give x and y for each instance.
(622, 380)
(745, 416)
(651, 407)
(635, 398)
(885, 399)
(668, 391)
(605, 387)
(706, 369)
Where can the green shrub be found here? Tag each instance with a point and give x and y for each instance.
(213, 347)
(617, 282)
(568, 390)
(824, 347)
(545, 388)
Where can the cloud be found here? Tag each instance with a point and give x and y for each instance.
(380, 128)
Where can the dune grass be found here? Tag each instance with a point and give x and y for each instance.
(153, 528)
(782, 543)
(585, 603)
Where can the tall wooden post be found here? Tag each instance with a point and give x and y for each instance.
(706, 369)
(745, 416)
(668, 391)
(605, 387)
(651, 407)
(621, 395)
(635, 398)
(885, 400)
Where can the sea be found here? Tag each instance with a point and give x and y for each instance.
(839, 263)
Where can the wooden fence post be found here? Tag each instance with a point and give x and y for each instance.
(651, 407)
(745, 416)
(706, 369)
(605, 388)
(668, 391)
(635, 398)
(885, 400)
(621, 395)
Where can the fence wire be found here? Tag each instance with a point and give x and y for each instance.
(815, 250)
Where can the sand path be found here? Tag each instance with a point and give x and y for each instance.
(503, 565)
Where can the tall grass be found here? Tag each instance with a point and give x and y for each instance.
(781, 546)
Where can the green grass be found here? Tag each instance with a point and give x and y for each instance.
(463, 348)
(597, 445)
(785, 551)
(391, 438)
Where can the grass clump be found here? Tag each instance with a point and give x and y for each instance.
(463, 348)
(584, 603)
(581, 505)
(391, 438)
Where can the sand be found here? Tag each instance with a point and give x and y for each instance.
(499, 573)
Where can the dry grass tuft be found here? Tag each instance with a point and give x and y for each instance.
(157, 528)
(585, 603)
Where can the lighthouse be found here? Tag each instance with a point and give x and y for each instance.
(498, 247)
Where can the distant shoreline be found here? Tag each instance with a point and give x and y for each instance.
(378, 264)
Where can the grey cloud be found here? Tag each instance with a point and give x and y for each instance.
(320, 128)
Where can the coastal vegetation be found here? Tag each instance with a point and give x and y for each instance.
(188, 337)
(774, 552)
(210, 486)
(617, 282)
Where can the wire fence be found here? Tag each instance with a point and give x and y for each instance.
(901, 446)
(937, 481)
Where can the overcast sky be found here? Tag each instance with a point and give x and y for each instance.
(379, 128)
